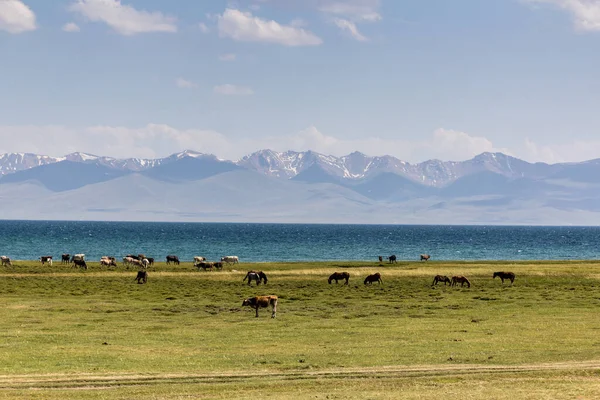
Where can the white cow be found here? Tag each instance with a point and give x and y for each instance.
(230, 259)
(78, 257)
(198, 259)
(5, 261)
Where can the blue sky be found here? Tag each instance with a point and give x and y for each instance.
(416, 79)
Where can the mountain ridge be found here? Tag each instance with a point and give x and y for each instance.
(355, 166)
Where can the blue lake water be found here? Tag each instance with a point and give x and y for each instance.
(25, 240)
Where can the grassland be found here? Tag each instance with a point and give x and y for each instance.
(97, 334)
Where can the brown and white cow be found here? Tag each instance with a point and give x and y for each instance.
(5, 261)
(262, 302)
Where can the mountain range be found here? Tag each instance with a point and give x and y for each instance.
(269, 186)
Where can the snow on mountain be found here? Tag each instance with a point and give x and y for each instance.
(13, 162)
(350, 169)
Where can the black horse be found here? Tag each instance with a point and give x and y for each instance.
(339, 276)
(373, 278)
(505, 275)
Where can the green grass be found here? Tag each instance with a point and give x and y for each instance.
(93, 334)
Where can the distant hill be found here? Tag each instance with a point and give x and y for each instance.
(299, 187)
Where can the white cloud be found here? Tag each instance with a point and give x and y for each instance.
(203, 27)
(233, 90)
(185, 84)
(243, 27)
(71, 27)
(586, 13)
(578, 150)
(442, 144)
(150, 141)
(227, 57)
(159, 140)
(350, 28)
(16, 17)
(355, 10)
(124, 19)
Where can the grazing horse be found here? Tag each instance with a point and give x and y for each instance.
(339, 276)
(46, 259)
(505, 275)
(392, 259)
(460, 279)
(425, 257)
(5, 261)
(172, 259)
(65, 258)
(142, 277)
(257, 276)
(262, 302)
(373, 278)
(441, 278)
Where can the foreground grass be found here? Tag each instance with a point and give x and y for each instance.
(185, 334)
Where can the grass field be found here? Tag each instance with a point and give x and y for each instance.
(97, 334)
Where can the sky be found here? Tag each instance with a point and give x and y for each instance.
(415, 79)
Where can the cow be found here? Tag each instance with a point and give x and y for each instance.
(392, 259)
(150, 260)
(133, 256)
(339, 276)
(373, 278)
(65, 258)
(172, 259)
(142, 277)
(504, 275)
(425, 257)
(198, 259)
(46, 259)
(80, 263)
(262, 302)
(441, 278)
(230, 259)
(206, 266)
(5, 261)
(380, 259)
(460, 279)
(80, 257)
(218, 265)
(127, 261)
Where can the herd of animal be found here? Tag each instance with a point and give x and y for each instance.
(139, 260)
(256, 302)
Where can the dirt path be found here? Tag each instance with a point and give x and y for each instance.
(92, 381)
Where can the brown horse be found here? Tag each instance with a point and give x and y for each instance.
(373, 278)
(460, 279)
(441, 278)
(425, 257)
(505, 275)
(339, 276)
